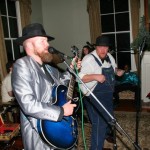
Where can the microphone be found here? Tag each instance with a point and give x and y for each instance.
(57, 57)
(52, 50)
(92, 46)
(88, 43)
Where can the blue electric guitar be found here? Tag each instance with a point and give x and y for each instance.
(63, 134)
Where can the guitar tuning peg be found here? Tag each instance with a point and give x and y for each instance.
(74, 48)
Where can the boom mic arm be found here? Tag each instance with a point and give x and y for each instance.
(92, 46)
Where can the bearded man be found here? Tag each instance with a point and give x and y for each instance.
(33, 80)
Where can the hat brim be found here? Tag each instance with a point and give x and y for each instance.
(103, 44)
(20, 40)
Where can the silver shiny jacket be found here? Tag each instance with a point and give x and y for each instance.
(33, 92)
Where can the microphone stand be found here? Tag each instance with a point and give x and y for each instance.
(138, 106)
(114, 123)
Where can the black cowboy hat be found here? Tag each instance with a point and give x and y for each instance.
(102, 41)
(32, 30)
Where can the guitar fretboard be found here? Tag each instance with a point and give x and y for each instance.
(72, 79)
(71, 88)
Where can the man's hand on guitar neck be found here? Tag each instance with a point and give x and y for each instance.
(76, 61)
(68, 108)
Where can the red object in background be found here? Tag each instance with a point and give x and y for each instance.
(8, 131)
(148, 95)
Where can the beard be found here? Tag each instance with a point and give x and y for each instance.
(50, 58)
(46, 57)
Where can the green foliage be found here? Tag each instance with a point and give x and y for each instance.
(142, 33)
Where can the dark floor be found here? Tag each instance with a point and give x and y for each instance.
(124, 105)
(129, 106)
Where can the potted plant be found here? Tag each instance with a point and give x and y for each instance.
(143, 34)
(142, 43)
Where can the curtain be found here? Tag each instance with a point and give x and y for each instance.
(135, 6)
(3, 55)
(93, 8)
(25, 11)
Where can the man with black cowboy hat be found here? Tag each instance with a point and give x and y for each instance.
(98, 72)
(32, 86)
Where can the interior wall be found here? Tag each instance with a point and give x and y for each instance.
(65, 20)
(36, 15)
(68, 22)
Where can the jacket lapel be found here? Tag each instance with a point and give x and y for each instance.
(37, 68)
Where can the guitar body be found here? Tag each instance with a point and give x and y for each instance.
(63, 134)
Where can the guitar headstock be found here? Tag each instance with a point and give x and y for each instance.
(75, 51)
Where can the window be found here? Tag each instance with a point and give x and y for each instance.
(10, 28)
(115, 22)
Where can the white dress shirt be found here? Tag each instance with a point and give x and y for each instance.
(90, 66)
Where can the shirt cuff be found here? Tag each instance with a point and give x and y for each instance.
(61, 114)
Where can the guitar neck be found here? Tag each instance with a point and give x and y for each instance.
(71, 88)
(72, 79)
